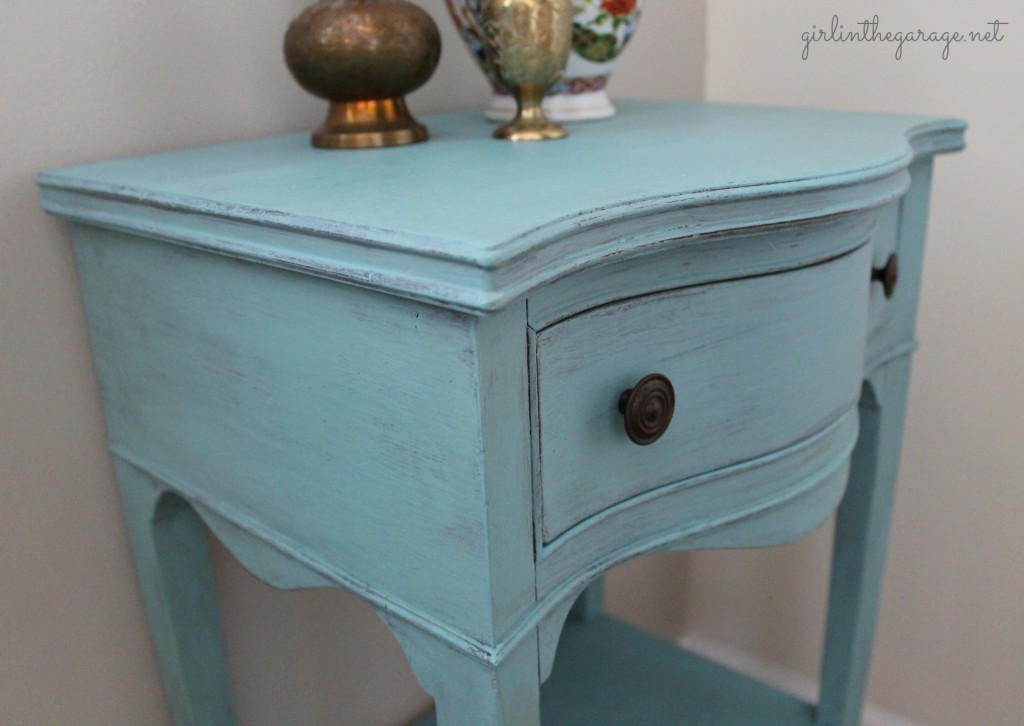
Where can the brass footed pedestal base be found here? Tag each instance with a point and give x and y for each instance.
(530, 124)
(368, 124)
(528, 44)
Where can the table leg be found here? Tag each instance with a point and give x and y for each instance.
(590, 603)
(858, 558)
(467, 690)
(171, 555)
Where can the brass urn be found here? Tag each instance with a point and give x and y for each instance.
(364, 56)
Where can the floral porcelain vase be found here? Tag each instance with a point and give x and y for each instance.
(601, 29)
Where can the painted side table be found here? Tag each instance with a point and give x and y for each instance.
(463, 379)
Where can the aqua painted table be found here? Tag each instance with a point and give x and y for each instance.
(463, 379)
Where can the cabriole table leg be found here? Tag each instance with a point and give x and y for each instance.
(172, 558)
(862, 532)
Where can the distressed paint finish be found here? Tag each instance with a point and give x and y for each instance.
(303, 410)
(740, 391)
(727, 503)
(858, 557)
(396, 373)
(469, 692)
(674, 263)
(171, 555)
(464, 223)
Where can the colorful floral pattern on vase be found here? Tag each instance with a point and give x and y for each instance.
(601, 29)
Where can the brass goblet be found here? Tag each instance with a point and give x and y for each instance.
(528, 44)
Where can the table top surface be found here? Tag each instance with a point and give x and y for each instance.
(467, 198)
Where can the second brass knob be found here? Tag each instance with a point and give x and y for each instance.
(647, 409)
(889, 275)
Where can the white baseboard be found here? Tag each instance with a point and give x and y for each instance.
(801, 686)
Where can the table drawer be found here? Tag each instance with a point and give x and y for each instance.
(756, 364)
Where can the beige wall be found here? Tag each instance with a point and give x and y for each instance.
(951, 633)
(81, 81)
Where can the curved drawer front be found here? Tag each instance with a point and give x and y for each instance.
(757, 364)
(769, 500)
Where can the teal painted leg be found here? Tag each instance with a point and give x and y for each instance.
(467, 691)
(862, 531)
(590, 603)
(169, 544)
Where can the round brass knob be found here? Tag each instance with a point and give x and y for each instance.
(647, 409)
(888, 275)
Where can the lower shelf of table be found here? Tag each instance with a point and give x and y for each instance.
(610, 674)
